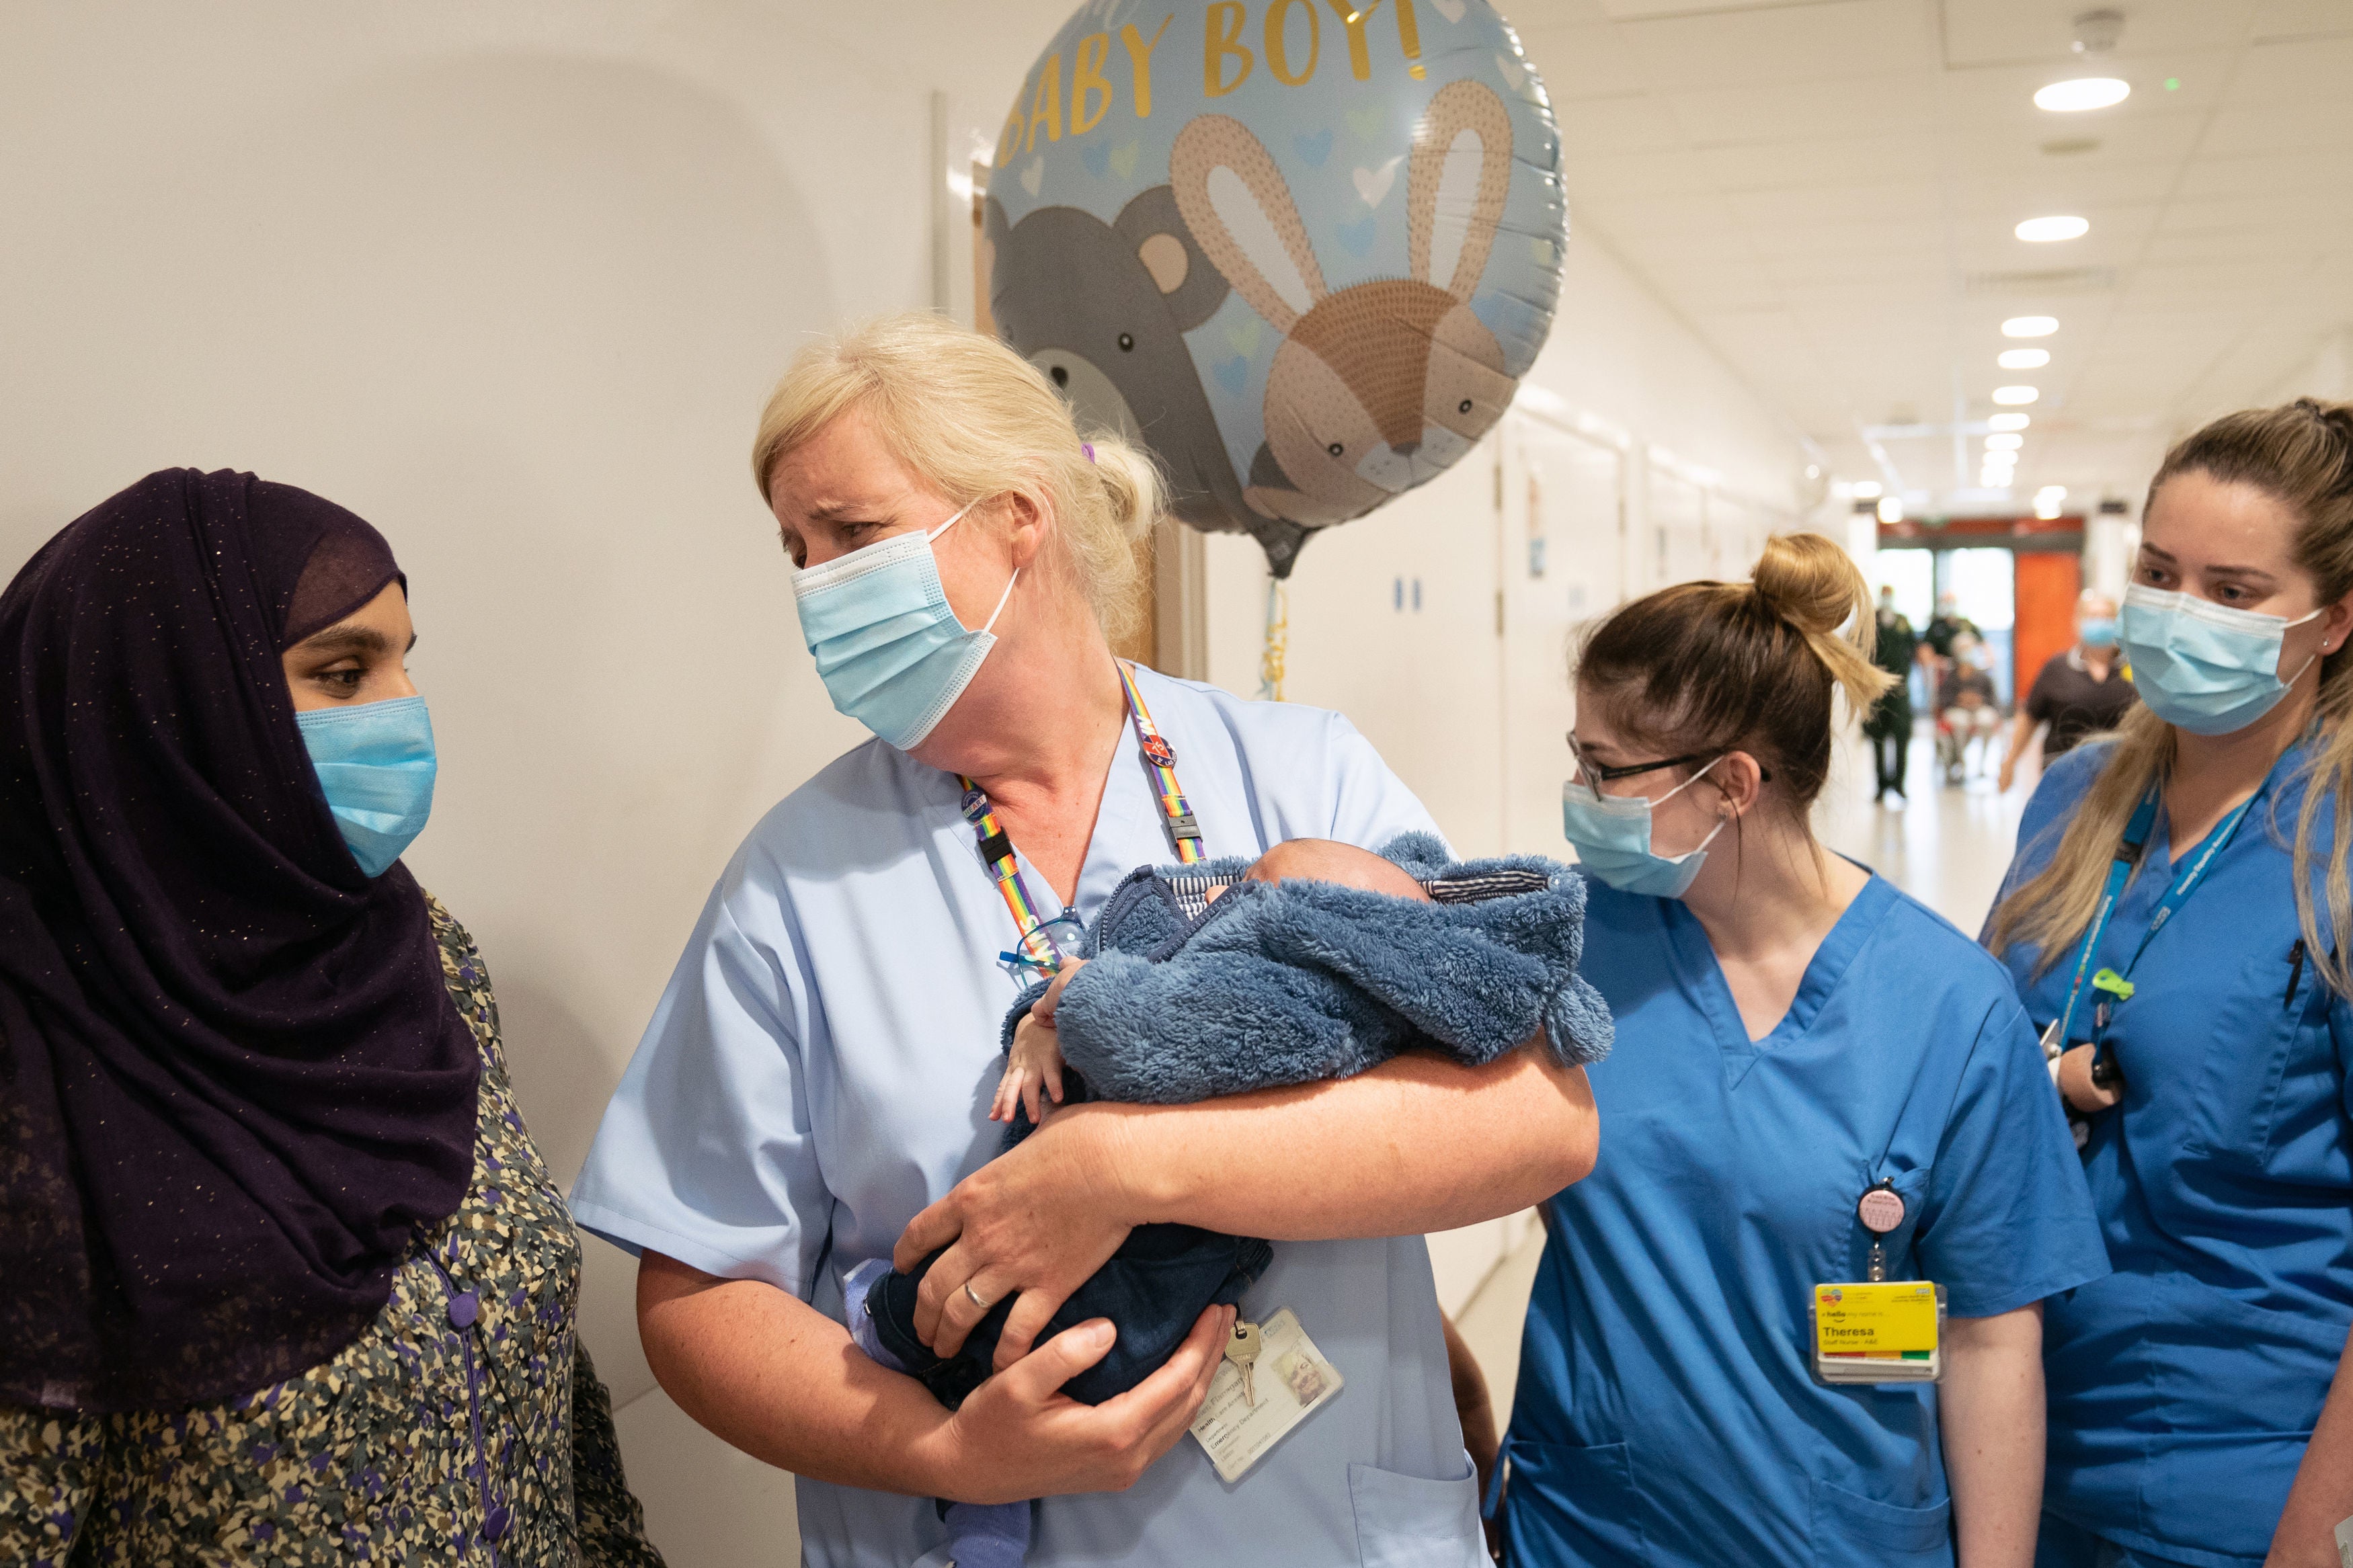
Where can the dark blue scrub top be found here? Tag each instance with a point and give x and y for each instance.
(1665, 1413)
(2184, 1387)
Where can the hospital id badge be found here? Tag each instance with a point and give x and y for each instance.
(1245, 1417)
(1888, 1331)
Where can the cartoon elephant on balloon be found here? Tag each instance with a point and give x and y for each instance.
(1103, 309)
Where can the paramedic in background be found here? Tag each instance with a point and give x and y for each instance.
(2080, 692)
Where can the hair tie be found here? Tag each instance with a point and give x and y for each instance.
(1088, 448)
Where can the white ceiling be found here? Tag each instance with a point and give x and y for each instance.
(1826, 189)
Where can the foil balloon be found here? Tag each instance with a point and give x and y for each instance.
(1301, 250)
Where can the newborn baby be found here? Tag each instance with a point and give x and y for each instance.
(1318, 960)
(1033, 1063)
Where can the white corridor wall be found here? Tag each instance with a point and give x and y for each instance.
(511, 282)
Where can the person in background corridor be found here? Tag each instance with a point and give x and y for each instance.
(1889, 726)
(2178, 919)
(1964, 708)
(2080, 692)
(1939, 638)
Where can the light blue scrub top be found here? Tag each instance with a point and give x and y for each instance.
(1666, 1413)
(2184, 1387)
(820, 1069)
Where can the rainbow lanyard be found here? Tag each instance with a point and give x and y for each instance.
(1039, 949)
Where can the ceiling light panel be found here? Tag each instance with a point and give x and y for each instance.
(2043, 230)
(2084, 93)
(2003, 442)
(2024, 358)
(2029, 326)
(2009, 422)
(2014, 395)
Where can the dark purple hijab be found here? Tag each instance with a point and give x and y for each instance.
(232, 1082)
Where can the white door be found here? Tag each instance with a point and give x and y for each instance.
(1564, 563)
(1678, 519)
(1395, 621)
(1733, 538)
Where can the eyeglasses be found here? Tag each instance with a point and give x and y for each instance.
(1595, 773)
(1064, 934)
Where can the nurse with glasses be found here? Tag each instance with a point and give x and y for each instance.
(1793, 1316)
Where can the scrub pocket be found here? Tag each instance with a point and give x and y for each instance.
(2253, 1041)
(2237, 1389)
(1848, 1530)
(1566, 1503)
(1410, 1521)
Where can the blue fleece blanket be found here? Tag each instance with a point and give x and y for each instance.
(1276, 984)
(1271, 984)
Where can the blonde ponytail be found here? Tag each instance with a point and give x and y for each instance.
(1134, 493)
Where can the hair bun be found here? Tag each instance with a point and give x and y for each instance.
(1131, 482)
(1811, 583)
(1815, 587)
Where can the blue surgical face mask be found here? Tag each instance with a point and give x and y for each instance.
(1612, 836)
(2207, 668)
(892, 653)
(375, 763)
(2098, 632)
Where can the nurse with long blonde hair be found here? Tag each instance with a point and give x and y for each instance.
(2176, 920)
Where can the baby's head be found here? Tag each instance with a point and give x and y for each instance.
(1327, 860)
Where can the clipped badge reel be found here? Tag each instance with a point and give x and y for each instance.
(1878, 1330)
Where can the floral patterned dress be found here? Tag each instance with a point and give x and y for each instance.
(466, 1426)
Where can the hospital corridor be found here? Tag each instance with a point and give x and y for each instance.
(1270, 783)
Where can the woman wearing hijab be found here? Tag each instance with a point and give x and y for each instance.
(285, 1280)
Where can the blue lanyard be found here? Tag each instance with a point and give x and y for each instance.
(2185, 882)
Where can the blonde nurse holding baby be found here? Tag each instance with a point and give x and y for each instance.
(813, 1091)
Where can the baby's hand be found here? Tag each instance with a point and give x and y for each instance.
(1044, 1009)
(1033, 1073)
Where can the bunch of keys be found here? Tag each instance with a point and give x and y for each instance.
(1242, 1351)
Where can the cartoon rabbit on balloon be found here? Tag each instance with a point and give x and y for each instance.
(1373, 386)
(1377, 386)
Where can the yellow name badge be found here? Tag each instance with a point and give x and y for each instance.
(1878, 1331)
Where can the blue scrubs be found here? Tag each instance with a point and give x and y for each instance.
(1666, 1412)
(821, 1066)
(2184, 1388)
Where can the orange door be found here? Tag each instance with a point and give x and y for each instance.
(2048, 582)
